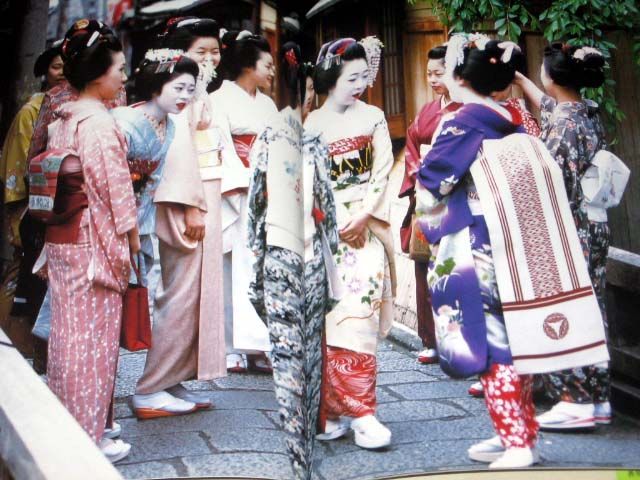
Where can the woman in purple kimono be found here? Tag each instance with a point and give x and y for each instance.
(472, 337)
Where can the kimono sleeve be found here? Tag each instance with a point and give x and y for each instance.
(411, 160)
(376, 202)
(448, 161)
(105, 155)
(257, 200)
(547, 105)
(40, 134)
(563, 143)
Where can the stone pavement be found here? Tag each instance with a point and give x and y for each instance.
(432, 419)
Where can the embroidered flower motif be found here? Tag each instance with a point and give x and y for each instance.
(350, 258)
(447, 185)
(354, 285)
(453, 130)
(12, 182)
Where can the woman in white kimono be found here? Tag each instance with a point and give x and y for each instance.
(242, 111)
(361, 159)
(188, 330)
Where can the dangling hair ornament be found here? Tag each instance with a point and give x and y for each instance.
(207, 72)
(373, 48)
(166, 58)
(583, 52)
(456, 45)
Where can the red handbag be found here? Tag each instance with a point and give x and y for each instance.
(135, 333)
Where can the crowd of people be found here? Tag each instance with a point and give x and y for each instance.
(272, 229)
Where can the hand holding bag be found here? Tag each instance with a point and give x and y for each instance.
(136, 322)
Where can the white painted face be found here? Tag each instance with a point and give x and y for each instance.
(351, 83)
(176, 94)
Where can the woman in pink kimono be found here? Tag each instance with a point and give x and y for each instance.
(88, 253)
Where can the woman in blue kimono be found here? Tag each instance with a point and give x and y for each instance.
(165, 83)
(461, 274)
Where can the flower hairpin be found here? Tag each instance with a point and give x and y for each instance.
(290, 57)
(373, 49)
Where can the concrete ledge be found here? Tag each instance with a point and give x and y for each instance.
(39, 439)
(406, 337)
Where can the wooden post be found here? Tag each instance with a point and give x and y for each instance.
(31, 30)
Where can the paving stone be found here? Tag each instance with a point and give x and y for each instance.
(428, 390)
(244, 400)
(415, 458)
(130, 369)
(251, 465)
(416, 410)
(472, 428)
(170, 444)
(434, 370)
(589, 449)
(211, 420)
(147, 470)
(122, 409)
(398, 364)
(248, 440)
(384, 396)
(243, 381)
(395, 378)
(470, 404)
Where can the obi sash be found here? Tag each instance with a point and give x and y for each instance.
(242, 145)
(351, 161)
(69, 204)
(551, 313)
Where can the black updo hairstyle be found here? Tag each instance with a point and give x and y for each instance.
(567, 71)
(437, 53)
(325, 80)
(238, 54)
(149, 82)
(181, 32)
(484, 69)
(87, 52)
(294, 73)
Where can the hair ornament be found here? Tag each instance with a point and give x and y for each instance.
(373, 48)
(331, 52)
(166, 58)
(456, 46)
(244, 34)
(509, 48)
(290, 57)
(583, 52)
(205, 76)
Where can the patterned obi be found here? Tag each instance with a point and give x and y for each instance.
(141, 170)
(243, 144)
(351, 161)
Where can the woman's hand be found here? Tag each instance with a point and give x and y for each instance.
(354, 233)
(194, 220)
(134, 240)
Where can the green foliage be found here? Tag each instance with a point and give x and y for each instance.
(583, 22)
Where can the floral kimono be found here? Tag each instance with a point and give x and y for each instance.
(361, 159)
(146, 155)
(466, 304)
(290, 289)
(88, 266)
(573, 133)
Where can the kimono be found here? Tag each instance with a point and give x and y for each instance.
(146, 156)
(573, 133)
(420, 132)
(466, 303)
(241, 118)
(361, 159)
(89, 276)
(13, 170)
(290, 289)
(188, 328)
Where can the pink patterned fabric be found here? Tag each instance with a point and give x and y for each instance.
(87, 278)
(85, 331)
(348, 383)
(510, 403)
